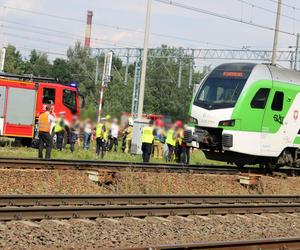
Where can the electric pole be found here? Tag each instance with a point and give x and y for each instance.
(276, 32)
(297, 51)
(144, 60)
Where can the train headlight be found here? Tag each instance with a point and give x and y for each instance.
(227, 123)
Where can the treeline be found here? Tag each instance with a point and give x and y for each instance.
(162, 96)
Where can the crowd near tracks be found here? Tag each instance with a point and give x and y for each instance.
(67, 164)
(35, 207)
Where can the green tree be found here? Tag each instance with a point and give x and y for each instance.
(38, 64)
(13, 61)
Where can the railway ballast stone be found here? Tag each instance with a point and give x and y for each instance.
(104, 234)
(77, 182)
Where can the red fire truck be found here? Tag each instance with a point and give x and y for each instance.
(23, 98)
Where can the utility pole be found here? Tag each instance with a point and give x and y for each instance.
(297, 51)
(276, 32)
(144, 62)
(97, 70)
(105, 79)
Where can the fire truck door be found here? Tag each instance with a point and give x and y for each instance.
(2, 107)
(20, 112)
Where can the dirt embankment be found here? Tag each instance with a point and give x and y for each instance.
(77, 182)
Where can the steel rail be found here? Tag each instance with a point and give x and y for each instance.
(67, 212)
(68, 164)
(261, 244)
(81, 200)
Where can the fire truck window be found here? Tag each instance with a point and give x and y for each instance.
(48, 96)
(69, 99)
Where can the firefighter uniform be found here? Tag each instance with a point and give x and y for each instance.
(171, 143)
(158, 144)
(101, 139)
(147, 141)
(59, 130)
(44, 135)
(128, 140)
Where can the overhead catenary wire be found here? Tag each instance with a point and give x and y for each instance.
(286, 5)
(219, 15)
(267, 10)
(117, 27)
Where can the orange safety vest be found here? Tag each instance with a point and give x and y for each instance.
(44, 125)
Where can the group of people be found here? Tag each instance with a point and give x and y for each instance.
(160, 140)
(169, 141)
(50, 126)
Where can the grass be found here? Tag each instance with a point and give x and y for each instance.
(197, 157)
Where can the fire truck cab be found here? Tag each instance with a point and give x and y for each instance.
(23, 99)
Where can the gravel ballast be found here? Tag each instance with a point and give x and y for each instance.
(132, 232)
(77, 182)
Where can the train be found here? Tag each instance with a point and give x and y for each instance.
(23, 98)
(248, 114)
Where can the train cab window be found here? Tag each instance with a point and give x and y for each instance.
(277, 103)
(69, 100)
(48, 95)
(260, 99)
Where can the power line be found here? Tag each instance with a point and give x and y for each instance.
(116, 27)
(215, 14)
(267, 10)
(286, 5)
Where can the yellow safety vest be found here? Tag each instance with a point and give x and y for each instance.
(170, 137)
(147, 135)
(100, 133)
(180, 136)
(57, 127)
(44, 124)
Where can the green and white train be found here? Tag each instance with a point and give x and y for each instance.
(248, 113)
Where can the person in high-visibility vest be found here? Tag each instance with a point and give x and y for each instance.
(148, 133)
(171, 142)
(59, 130)
(101, 138)
(44, 125)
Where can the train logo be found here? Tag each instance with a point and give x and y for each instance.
(296, 114)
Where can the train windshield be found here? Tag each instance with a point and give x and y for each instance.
(217, 93)
(223, 86)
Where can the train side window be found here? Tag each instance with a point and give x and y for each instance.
(277, 103)
(260, 99)
(48, 95)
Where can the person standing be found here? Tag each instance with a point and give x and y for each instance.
(114, 134)
(171, 143)
(159, 140)
(179, 139)
(59, 130)
(147, 141)
(128, 132)
(74, 133)
(109, 142)
(101, 138)
(45, 121)
(87, 133)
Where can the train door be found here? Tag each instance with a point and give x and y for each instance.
(2, 107)
(274, 128)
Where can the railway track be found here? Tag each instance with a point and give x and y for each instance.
(62, 164)
(33, 207)
(274, 244)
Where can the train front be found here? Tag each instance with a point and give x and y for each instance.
(213, 105)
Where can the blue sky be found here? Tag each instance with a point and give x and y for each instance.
(24, 29)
